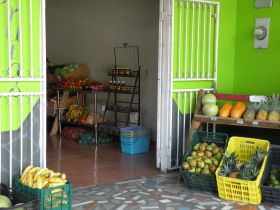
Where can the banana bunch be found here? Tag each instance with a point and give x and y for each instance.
(40, 178)
(75, 111)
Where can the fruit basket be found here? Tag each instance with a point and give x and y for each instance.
(19, 200)
(270, 191)
(200, 181)
(54, 198)
(242, 190)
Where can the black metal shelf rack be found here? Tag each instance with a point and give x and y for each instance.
(115, 103)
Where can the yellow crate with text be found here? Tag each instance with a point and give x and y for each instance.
(237, 189)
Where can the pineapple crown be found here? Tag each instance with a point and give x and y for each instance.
(263, 105)
(273, 102)
(254, 106)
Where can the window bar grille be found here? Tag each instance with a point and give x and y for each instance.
(9, 39)
(31, 129)
(179, 38)
(178, 126)
(209, 40)
(204, 41)
(0, 140)
(11, 141)
(31, 40)
(186, 41)
(184, 122)
(21, 133)
(197, 40)
(20, 39)
(192, 41)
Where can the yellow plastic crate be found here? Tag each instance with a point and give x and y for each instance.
(237, 189)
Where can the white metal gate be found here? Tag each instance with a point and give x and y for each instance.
(188, 62)
(22, 87)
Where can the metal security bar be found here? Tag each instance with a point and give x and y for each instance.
(186, 100)
(23, 105)
(198, 26)
(18, 145)
(195, 57)
(15, 70)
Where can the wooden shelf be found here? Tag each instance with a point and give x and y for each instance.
(199, 118)
(238, 122)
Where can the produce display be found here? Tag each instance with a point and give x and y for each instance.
(86, 84)
(79, 114)
(64, 70)
(268, 109)
(274, 178)
(76, 113)
(72, 132)
(205, 158)
(210, 107)
(238, 110)
(246, 171)
(40, 178)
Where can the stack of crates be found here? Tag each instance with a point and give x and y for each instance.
(135, 140)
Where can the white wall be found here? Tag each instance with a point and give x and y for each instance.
(86, 31)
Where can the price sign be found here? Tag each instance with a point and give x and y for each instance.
(255, 122)
(214, 118)
(240, 122)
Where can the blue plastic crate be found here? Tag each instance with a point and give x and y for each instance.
(134, 131)
(140, 144)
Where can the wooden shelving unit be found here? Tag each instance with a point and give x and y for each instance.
(199, 118)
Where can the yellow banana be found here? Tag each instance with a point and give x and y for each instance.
(45, 182)
(39, 173)
(33, 171)
(63, 176)
(39, 182)
(55, 180)
(55, 184)
(58, 174)
(26, 170)
(30, 180)
(56, 191)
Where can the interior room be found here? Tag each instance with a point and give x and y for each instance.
(87, 33)
(139, 104)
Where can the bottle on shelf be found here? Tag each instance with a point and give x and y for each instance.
(123, 86)
(119, 86)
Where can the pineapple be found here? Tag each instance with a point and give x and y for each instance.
(229, 165)
(251, 169)
(274, 108)
(251, 111)
(263, 112)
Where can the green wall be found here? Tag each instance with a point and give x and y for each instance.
(15, 60)
(226, 45)
(257, 71)
(226, 52)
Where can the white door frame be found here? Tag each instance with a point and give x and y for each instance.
(165, 78)
(164, 84)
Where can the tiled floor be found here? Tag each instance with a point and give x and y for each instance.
(160, 191)
(90, 165)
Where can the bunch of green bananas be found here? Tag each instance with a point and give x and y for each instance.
(74, 113)
(40, 178)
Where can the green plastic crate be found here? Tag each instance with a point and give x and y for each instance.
(198, 181)
(49, 200)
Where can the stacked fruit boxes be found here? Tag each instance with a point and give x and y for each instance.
(135, 139)
(234, 188)
(270, 184)
(202, 179)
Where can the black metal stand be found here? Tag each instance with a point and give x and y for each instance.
(132, 91)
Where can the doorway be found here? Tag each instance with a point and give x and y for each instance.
(86, 33)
